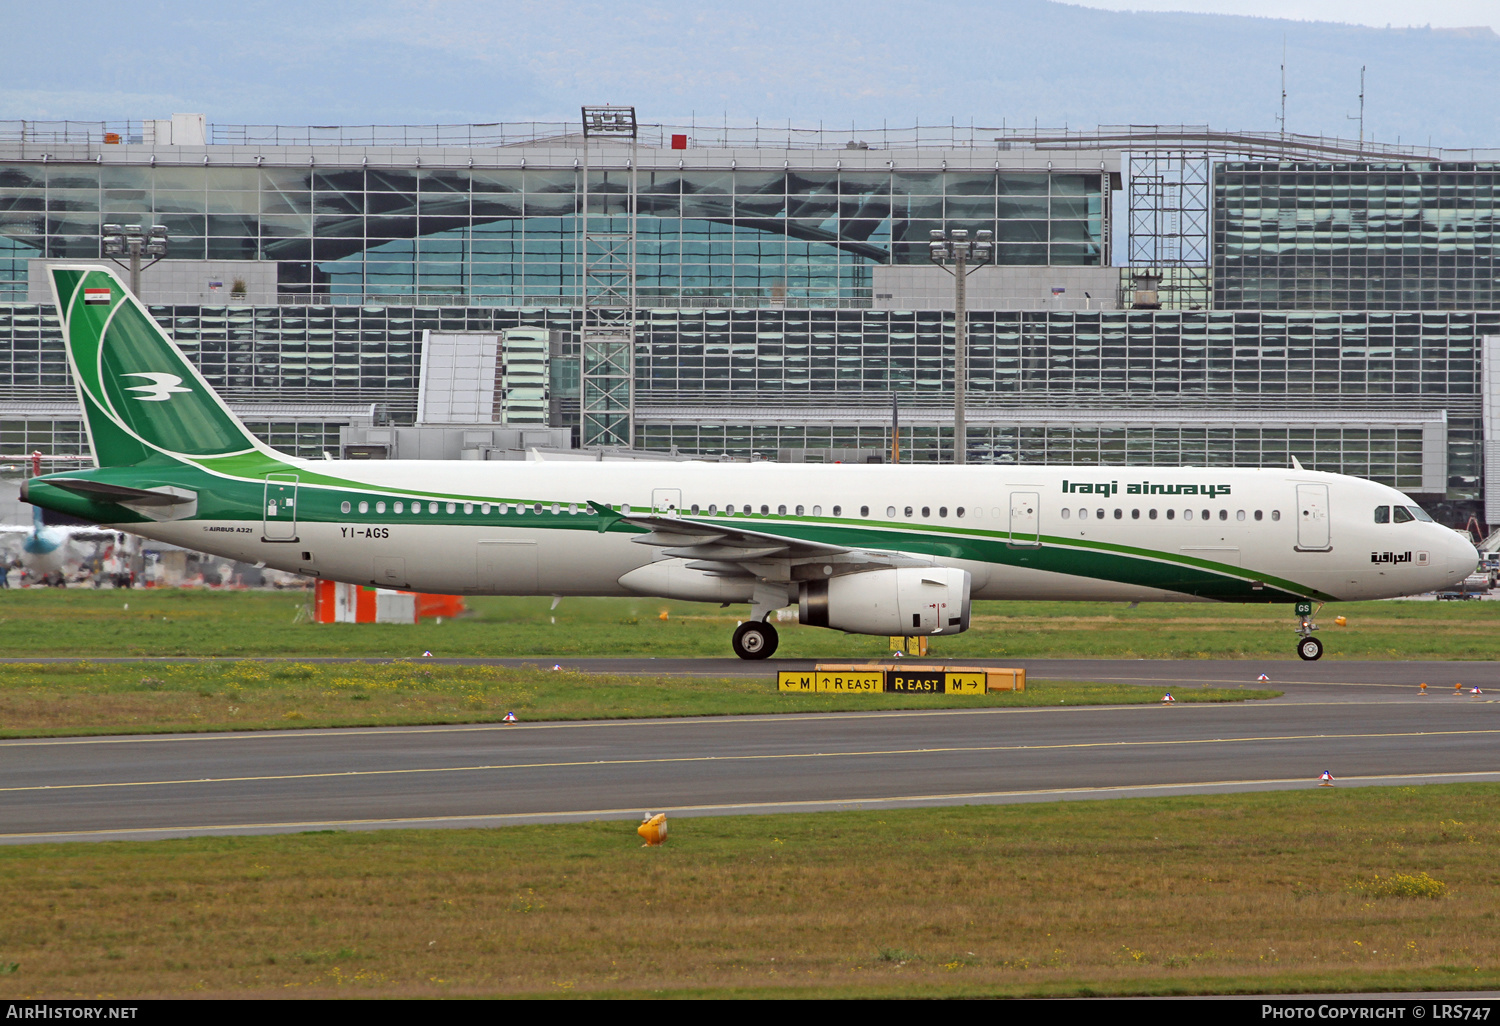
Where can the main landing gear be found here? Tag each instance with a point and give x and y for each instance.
(1309, 648)
(755, 639)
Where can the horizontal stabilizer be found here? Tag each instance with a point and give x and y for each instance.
(119, 493)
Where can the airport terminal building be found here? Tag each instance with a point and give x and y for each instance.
(467, 290)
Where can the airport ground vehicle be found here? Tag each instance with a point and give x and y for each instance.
(885, 550)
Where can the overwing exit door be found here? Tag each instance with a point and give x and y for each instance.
(1025, 519)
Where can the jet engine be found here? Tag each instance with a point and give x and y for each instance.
(904, 601)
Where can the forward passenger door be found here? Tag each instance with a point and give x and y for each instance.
(1312, 518)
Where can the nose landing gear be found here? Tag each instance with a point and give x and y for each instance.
(1309, 648)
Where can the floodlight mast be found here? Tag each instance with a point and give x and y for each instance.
(966, 256)
(607, 256)
(134, 241)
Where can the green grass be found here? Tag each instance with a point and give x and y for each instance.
(1251, 893)
(73, 698)
(42, 622)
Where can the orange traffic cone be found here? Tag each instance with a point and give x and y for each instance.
(1422, 689)
(1458, 689)
(653, 829)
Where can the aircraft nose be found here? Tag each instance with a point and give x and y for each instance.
(1462, 557)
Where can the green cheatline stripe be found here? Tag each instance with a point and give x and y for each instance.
(233, 496)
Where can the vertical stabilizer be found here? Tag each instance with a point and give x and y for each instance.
(139, 394)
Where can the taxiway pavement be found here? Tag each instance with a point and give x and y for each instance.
(1363, 721)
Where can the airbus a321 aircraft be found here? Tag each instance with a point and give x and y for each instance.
(884, 550)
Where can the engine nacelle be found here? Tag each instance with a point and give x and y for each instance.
(906, 601)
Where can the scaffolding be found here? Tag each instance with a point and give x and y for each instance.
(1170, 192)
(607, 255)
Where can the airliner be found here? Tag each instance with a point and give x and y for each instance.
(892, 550)
(50, 553)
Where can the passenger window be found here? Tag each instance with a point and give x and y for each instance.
(1207, 514)
(537, 508)
(1135, 514)
(926, 511)
(838, 511)
(1151, 515)
(1239, 514)
(864, 511)
(364, 507)
(1119, 514)
(817, 511)
(484, 508)
(890, 511)
(908, 511)
(800, 508)
(399, 507)
(781, 511)
(1187, 514)
(416, 508)
(693, 508)
(1403, 515)
(1258, 515)
(1171, 514)
(1382, 514)
(452, 507)
(1099, 513)
(729, 509)
(432, 507)
(1223, 514)
(469, 509)
(1083, 514)
(942, 511)
(959, 512)
(1275, 514)
(344, 507)
(1066, 513)
(572, 509)
(713, 508)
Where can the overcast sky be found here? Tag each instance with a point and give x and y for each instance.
(1375, 13)
(810, 62)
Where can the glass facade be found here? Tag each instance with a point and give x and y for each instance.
(1356, 236)
(1390, 455)
(510, 237)
(786, 363)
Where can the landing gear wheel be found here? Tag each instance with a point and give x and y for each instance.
(754, 639)
(1310, 649)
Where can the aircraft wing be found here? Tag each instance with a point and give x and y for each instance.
(729, 550)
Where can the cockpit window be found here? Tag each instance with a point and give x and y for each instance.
(1403, 515)
(1420, 514)
(1382, 514)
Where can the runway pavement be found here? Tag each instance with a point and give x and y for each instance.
(1362, 721)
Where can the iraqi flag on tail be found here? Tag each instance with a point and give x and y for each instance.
(96, 296)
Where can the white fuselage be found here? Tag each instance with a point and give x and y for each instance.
(1317, 530)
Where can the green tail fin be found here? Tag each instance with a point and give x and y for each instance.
(140, 395)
